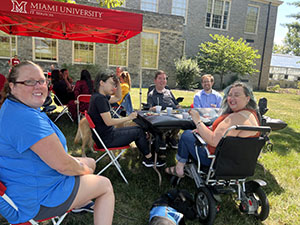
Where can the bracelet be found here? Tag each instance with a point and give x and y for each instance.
(199, 122)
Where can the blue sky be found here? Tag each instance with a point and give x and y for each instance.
(283, 10)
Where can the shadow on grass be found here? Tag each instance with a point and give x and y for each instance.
(285, 140)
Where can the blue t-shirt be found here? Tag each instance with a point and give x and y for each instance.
(204, 100)
(30, 181)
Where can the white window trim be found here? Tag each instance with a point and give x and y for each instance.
(258, 13)
(158, 48)
(73, 54)
(156, 10)
(10, 37)
(210, 22)
(186, 11)
(43, 60)
(127, 52)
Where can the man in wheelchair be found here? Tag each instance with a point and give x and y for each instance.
(238, 108)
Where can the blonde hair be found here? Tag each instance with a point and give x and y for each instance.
(126, 77)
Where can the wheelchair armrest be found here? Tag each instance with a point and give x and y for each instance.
(199, 141)
(262, 129)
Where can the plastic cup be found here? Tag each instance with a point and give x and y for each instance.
(158, 108)
(169, 111)
(185, 115)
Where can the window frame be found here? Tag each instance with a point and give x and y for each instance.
(34, 47)
(186, 10)
(3, 34)
(258, 12)
(156, 8)
(73, 53)
(127, 52)
(222, 16)
(158, 48)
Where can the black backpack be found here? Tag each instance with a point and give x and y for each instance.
(181, 200)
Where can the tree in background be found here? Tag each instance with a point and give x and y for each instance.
(186, 72)
(291, 42)
(225, 56)
(102, 3)
(292, 39)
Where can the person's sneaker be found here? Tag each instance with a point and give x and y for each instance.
(150, 162)
(173, 143)
(87, 208)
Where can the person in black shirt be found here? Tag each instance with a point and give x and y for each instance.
(160, 95)
(99, 111)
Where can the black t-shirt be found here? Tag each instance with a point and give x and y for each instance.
(100, 104)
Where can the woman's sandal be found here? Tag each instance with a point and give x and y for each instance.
(172, 171)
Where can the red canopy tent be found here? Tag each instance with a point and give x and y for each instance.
(57, 20)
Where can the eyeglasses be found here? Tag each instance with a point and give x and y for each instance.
(33, 82)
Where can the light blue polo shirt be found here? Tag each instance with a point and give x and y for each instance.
(30, 181)
(204, 100)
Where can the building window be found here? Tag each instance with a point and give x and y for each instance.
(149, 5)
(251, 19)
(286, 77)
(217, 14)
(298, 78)
(8, 45)
(271, 75)
(44, 49)
(150, 46)
(179, 7)
(117, 54)
(84, 52)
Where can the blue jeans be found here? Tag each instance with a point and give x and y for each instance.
(186, 147)
(124, 136)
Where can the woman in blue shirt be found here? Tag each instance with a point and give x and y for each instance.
(41, 177)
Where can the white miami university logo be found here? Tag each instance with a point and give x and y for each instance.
(19, 7)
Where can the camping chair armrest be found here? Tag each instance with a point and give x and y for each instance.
(179, 99)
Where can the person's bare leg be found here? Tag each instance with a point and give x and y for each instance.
(179, 168)
(99, 188)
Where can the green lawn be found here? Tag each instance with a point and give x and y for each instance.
(280, 168)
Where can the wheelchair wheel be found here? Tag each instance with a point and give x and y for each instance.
(206, 206)
(263, 208)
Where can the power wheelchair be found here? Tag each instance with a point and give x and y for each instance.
(234, 160)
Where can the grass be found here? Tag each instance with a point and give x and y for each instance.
(280, 168)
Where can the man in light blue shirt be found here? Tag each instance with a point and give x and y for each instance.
(207, 97)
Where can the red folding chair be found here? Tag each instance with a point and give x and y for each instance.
(55, 220)
(107, 151)
(81, 98)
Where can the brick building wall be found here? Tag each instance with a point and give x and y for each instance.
(177, 34)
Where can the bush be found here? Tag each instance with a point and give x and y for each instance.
(186, 71)
(275, 88)
(298, 86)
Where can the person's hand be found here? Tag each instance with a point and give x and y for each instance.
(153, 109)
(195, 115)
(213, 105)
(132, 116)
(118, 71)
